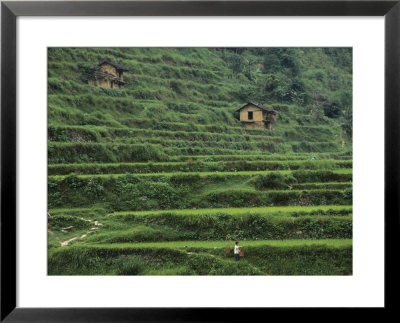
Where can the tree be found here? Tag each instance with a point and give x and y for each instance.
(235, 62)
(332, 110)
(316, 106)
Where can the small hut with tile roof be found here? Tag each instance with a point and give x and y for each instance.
(255, 115)
(109, 74)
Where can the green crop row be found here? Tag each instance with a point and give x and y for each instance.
(267, 148)
(187, 152)
(221, 226)
(174, 89)
(267, 157)
(78, 152)
(314, 186)
(194, 166)
(305, 146)
(145, 125)
(265, 145)
(80, 133)
(97, 152)
(261, 258)
(300, 176)
(277, 210)
(242, 198)
(133, 192)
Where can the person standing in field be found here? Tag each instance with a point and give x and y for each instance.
(236, 251)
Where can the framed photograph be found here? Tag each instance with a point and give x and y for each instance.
(197, 160)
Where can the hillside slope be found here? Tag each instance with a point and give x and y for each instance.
(171, 141)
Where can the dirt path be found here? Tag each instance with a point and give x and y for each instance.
(95, 226)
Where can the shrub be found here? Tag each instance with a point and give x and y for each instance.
(273, 180)
(306, 176)
(94, 188)
(128, 266)
(348, 194)
(99, 152)
(192, 179)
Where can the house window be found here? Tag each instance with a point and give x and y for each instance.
(250, 116)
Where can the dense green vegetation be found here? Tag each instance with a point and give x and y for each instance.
(160, 177)
(296, 257)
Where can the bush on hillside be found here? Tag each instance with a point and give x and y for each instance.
(129, 266)
(348, 195)
(273, 181)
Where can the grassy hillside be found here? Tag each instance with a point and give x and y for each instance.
(163, 169)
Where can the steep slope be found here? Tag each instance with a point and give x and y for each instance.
(171, 142)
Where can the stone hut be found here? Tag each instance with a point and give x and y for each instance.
(109, 75)
(255, 115)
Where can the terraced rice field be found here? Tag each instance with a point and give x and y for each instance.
(182, 223)
(160, 178)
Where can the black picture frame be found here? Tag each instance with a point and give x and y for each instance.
(10, 10)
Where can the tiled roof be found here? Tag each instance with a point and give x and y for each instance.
(258, 105)
(117, 66)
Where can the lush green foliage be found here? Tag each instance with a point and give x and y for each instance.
(159, 177)
(320, 257)
(194, 166)
(190, 190)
